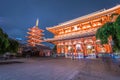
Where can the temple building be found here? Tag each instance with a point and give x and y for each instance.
(77, 37)
(34, 45)
(35, 35)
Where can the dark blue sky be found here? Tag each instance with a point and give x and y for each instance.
(16, 16)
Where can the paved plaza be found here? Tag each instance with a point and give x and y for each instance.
(59, 69)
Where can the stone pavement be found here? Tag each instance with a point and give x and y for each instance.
(39, 69)
(58, 69)
(99, 70)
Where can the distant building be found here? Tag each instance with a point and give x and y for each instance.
(77, 37)
(39, 50)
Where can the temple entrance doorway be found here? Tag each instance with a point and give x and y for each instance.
(62, 49)
(79, 51)
(90, 51)
(90, 48)
(70, 51)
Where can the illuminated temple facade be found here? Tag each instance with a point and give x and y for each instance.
(77, 37)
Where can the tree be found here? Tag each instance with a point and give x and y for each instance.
(7, 44)
(4, 43)
(13, 47)
(55, 48)
(110, 29)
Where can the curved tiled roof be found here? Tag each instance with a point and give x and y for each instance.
(94, 14)
(91, 33)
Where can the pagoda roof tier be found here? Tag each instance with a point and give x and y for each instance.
(34, 37)
(73, 36)
(85, 18)
(34, 33)
(36, 29)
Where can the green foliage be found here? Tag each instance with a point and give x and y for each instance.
(117, 33)
(13, 47)
(4, 43)
(55, 48)
(7, 44)
(110, 29)
(104, 32)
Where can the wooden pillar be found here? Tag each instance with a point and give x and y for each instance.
(66, 49)
(110, 48)
(58, 49)
(63, 46)
(66, 46)
(72, 47)
(83, 47)
(95, 45)
(75, 51)
(110, 44)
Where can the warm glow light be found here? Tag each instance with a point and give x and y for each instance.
(84, 27)
(94, 25)
(99, 24)
(69, 47)
(89, 46)
(88, 26)
(75, 28)
(78, 46)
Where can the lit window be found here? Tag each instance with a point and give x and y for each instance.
(88, 26)
(89, 46)
(94, 25)
(99, 24)
(69, 47)
(75, 27)
(84, 27)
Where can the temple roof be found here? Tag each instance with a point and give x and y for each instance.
(79, 35)
(86, 17)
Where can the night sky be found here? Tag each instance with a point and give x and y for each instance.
(16, 16)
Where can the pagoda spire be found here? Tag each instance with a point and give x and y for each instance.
(37, 22)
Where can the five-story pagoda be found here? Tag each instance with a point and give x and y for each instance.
(35, 35)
